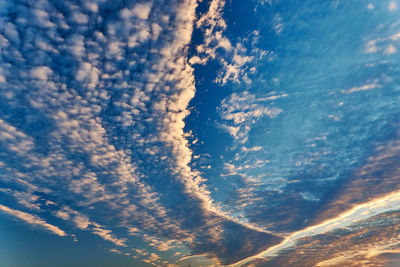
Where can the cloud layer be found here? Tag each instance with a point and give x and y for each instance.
(95, 99)
(94, 95)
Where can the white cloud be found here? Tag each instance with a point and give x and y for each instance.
(386, 45)
(109, 236)
(32, 220)
(26, 199)
(80, 18)
(82, 222)
(235, 59)
(371, 47)
(142, 11)
(390, 50)
(88, 74)
(235, 69)
(16, 141)
(240, 111)
(362, 88)
(41, 73)
(252, 149)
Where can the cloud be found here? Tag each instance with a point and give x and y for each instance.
(32, 220)
(92, 131)
(107, 235)
(27, 199)
(142, 11)
(41, 73)
(116, 251)
(362, 88)
(95, 123)
(235, 59)
(390, 50)
(370, 194)
(213, 25)
(82, 222)
(240, 111)
(362, 214)
(373, 180)
(387, 45)
(235, 69)
(368, 241)
(392, 6)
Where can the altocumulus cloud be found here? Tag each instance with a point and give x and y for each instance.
(93, 100)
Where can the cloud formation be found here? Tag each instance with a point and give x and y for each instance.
(94, 95)
(32, 220)
(94, 100)
(240, 111)
(236, 60)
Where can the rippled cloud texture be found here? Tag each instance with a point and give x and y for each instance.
(203, 132)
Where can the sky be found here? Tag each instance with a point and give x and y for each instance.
(199, 132)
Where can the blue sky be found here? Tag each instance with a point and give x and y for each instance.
(209, 133)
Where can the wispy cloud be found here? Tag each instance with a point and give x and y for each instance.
(361, 88)
(237, 62)
(372, 192)
(240, 111)
(356, 214)
(372, 241)
(386, 45)
(32, 220)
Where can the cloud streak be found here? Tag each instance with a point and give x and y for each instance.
(32, 220)
(360, 212)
